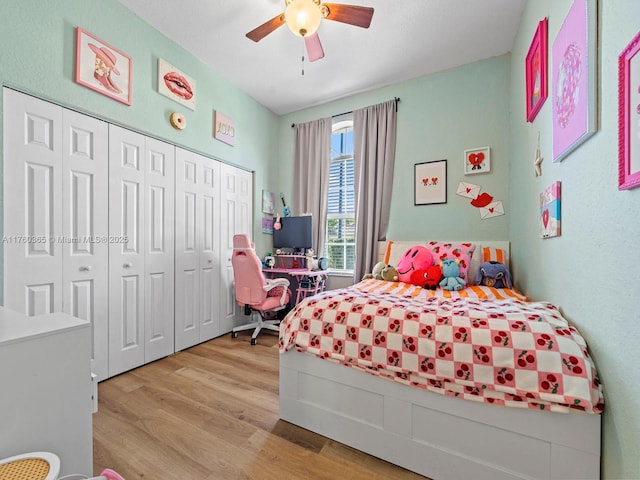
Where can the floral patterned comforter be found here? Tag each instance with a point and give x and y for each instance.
(482, 344)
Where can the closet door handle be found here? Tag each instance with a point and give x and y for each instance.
(127, 265)
(86, 268)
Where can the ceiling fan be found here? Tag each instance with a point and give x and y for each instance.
(303, 17)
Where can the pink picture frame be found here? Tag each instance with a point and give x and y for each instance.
(536, 68)
(102, 67)
(574, 82)
(629, 116)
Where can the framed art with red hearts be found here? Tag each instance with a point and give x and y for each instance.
(477, 160)
(430, 182)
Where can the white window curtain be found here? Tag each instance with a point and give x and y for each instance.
(312, 158)
(374, 151)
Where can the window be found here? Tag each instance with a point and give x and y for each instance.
(340, 243)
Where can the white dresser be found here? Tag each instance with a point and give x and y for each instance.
(46, 388)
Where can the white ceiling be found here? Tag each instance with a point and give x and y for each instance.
(406, 39)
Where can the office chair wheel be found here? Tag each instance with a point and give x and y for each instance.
(254, 341)
(234, 334)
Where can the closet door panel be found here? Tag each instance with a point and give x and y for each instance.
(85, 229)
(32, 204)
(159, 253)
(187, 248)
(197, 248)
(236, 217)
(210, 251)
(126, 250)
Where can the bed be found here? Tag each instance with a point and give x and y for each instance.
(480, 383)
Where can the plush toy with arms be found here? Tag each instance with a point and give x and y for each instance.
(493, 274)
(429, 278)
(382, 271)
(451, 272)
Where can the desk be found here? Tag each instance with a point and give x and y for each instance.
(307, 282)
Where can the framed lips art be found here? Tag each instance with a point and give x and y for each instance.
(176, 85)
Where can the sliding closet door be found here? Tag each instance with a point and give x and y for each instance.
(32, 204)
(159, 251)
(236, 217)
(197, 248)
(85, 229)
(126, 249)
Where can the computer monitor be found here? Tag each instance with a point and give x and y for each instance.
(295, 234)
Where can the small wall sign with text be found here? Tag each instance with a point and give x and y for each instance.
(223, 128)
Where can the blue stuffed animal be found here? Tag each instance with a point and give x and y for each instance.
(451, 272)
(493, 274)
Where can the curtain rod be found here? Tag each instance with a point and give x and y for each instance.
(396, 99)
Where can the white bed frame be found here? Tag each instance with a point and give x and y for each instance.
(437, 436)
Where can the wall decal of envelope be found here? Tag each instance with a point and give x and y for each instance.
(550, 211)
(494, 209)
(468, 190)
(482, 201)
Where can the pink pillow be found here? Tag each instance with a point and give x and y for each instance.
(461, 251)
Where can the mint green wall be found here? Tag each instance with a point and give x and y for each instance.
(588, 271)
(439, 116)
(38, 57)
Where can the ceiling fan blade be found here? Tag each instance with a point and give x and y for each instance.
(266, 28)
(314, 47)
(351, 14)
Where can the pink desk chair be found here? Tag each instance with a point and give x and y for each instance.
(253, 291)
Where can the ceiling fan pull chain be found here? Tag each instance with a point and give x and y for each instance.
(303, 59)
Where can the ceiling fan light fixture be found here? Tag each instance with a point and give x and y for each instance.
(303, 17)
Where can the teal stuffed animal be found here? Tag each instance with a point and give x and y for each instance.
(451, 272)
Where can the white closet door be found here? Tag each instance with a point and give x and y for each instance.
(210, 251)
(187, 327)
(126, 250)
(85, 229)
(197, 248)
(32, 204)
(159, 252)
(236, 217)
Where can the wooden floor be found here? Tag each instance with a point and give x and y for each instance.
(211, 412)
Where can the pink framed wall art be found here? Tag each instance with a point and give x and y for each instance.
(629, 115)
(102, 68)
(536, 68)
(574, 79)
